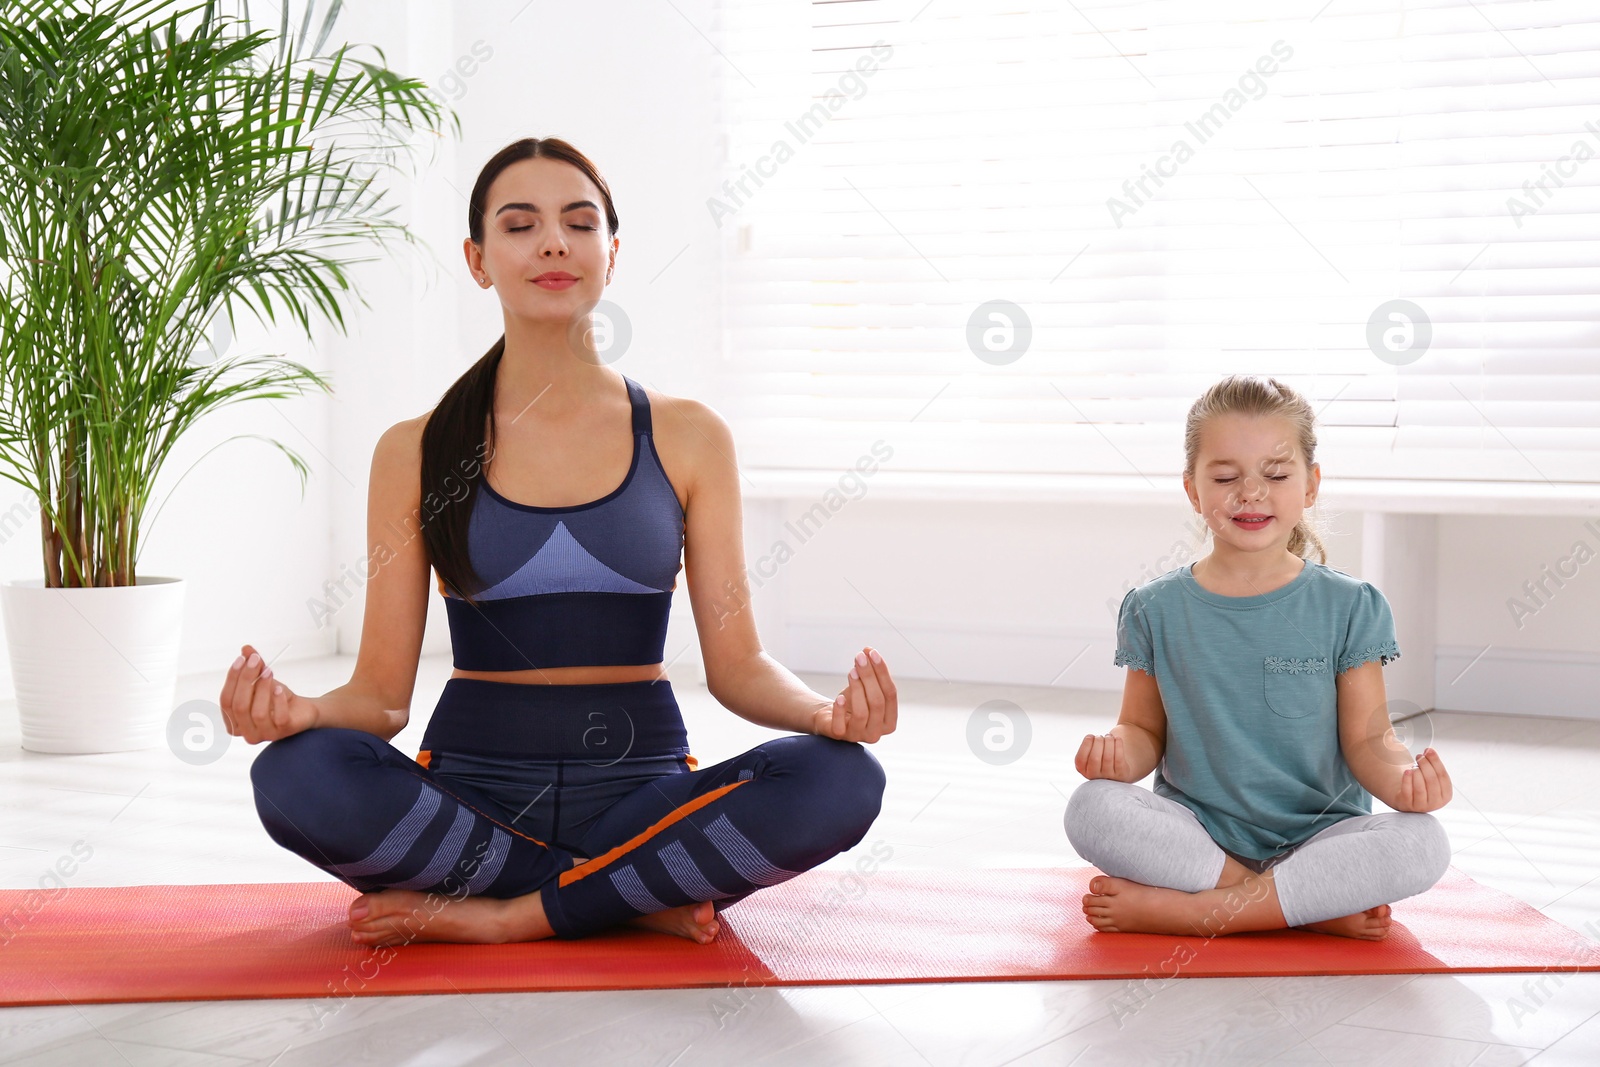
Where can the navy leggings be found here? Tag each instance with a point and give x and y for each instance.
(583, 793)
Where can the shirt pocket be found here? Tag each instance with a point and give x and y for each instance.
(1297, 688)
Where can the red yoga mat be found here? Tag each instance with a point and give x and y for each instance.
(223, 942)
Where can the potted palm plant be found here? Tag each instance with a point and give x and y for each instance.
(164, 167)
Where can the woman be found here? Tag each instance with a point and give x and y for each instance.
(554, 793)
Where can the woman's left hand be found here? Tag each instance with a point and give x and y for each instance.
(867, 707)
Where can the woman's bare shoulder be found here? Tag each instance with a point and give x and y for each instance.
(692, 439)
(683, 414)
(398, 452)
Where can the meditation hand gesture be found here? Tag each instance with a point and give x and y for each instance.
(258, 707)
(867, 707)
(1103, 756)
(1424, 787)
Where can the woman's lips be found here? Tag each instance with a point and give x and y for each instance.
(555, 283)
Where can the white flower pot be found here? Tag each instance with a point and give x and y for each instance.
(95, 668)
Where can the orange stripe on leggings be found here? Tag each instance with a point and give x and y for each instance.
(588, 867)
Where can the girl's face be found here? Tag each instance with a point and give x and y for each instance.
(545, 244)
(1250, 482)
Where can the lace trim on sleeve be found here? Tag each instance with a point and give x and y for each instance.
(1383, 653)
(1138, 663)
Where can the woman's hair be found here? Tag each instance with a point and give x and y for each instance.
(1245, 395)
(454, 437)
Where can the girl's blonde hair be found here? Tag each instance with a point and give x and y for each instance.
(1247, 395)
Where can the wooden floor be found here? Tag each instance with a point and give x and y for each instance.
(1526, 819)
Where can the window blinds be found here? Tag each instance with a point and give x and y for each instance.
(1161, 194)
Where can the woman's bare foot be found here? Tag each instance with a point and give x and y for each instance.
(400, 916)
(697, 922)
(1370, 925)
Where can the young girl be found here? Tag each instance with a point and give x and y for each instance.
(1255, 692)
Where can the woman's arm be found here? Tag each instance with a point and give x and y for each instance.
(258, 706)
(739, 673)
(1134, 746)
(1377, 759)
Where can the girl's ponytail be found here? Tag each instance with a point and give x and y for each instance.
(1305, 537)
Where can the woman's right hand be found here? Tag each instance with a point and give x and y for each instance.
(1103, 756)
(257, 706)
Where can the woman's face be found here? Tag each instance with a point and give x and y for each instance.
(1251, 483)
(545, 247)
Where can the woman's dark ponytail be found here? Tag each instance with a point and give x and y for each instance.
(453, 438)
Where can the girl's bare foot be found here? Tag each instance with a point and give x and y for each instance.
(697, 922)
(1370, 925)
(1117, 905)
(399, 916)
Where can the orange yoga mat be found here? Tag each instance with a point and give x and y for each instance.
(222, 942)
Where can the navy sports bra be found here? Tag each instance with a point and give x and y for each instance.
(587, 585)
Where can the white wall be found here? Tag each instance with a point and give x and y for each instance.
(1543, 658)
(1010, 592)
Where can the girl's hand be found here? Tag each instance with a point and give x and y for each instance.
(867, 707)
(258, 707)
(1424, 787)
(1103, 756)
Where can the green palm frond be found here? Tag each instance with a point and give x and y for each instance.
(167, 165)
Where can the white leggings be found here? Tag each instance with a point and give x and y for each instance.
(1357, 863)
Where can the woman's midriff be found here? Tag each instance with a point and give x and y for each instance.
(572, 675)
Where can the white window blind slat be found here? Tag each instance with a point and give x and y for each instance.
(976, 163)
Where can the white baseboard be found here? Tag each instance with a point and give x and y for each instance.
(1517, 681)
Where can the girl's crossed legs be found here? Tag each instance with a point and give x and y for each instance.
(1164, 873)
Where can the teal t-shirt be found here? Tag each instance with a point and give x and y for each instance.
(1248, 687)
